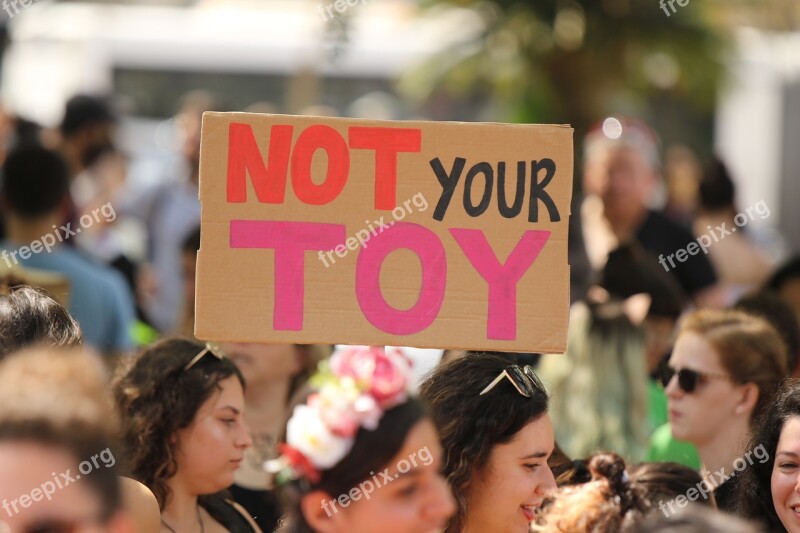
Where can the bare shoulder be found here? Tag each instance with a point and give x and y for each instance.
(141, 505)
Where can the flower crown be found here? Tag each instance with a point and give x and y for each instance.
(352, 391)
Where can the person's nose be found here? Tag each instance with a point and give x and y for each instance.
(441, 505)
(548, 483)
(243, 439)
(672, 390)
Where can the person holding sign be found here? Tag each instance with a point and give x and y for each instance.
(361, 455)
(497, 438)
(182, 410)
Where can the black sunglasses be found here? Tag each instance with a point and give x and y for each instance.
(523, 378)
(688, 379)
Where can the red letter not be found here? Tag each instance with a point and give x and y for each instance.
(386, 142)
(269, 181)
(312, 139)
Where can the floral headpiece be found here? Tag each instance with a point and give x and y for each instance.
(352, 391)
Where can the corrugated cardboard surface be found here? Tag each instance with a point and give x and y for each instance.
(235, 287)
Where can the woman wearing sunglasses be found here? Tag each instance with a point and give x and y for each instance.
(725, 367)
(360, 454)
(181, 405)
(497, 437)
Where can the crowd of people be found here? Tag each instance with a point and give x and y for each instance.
(674, 408)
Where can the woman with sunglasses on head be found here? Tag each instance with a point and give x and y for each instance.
(725, 367)
(497, 438)
(360, 454)
(181, 405)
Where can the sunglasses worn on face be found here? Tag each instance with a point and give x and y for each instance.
(213, 349)
(688, 379)
(523, 378)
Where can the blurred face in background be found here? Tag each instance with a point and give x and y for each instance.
(264, 363)
(27, 470)
(623, 179)
(418, 501)
(510, 489)
(211, 449)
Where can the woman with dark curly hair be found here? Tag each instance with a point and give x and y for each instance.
(361, 455)
(497, 438)
(769, 489)
(181, 405)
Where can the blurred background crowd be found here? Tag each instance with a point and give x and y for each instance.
(683, 229)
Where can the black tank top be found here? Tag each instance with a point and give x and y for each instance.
(226, 514)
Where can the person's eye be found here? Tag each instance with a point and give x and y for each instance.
(787, 466)
(409, 490)
(229, 421)
(532, 466)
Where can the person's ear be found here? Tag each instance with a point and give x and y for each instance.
(748, 400)
(320, 511)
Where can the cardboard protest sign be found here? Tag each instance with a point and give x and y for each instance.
(427, 234)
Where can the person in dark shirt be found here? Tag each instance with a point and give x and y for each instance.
(620, 179)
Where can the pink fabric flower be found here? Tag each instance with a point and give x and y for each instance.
(383, 375)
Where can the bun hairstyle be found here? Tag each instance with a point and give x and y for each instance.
(610, 502)
(617, 498)
(610, 467)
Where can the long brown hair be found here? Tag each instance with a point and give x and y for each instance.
(156, 397)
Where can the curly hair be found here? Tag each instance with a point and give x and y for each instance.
(753, 496)
(609, 502)
(470, 425)
(616, 498)
(156, 397)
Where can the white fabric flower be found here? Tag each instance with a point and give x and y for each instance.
(308, 434)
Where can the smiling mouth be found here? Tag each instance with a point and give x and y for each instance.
(529, 511)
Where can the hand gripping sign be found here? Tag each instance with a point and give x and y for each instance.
(485, 268)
